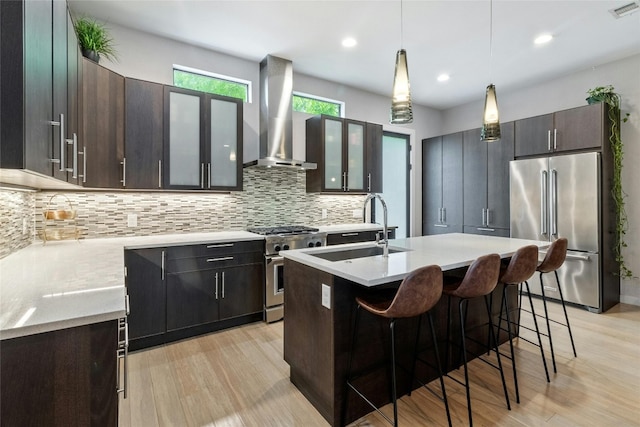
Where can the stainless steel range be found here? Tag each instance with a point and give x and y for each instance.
(281, 239)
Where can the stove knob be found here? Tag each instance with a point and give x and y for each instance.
(277, 248)
(318, 243)
(311, 244)
(286, 247)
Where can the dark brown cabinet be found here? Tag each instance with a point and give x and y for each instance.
(442, 184)
(144, 112)
(102, 135)
(203, 141)
(34, 79)
(579, 128)
(67, 377)
(348, 154)
(145, 281)
(486, 181)
(183, 291)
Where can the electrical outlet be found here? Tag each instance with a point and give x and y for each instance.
(324, 214)
(326, 296)
(356, 213)
(132, 220)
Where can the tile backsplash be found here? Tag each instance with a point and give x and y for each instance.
(16, 220)
(275, 196)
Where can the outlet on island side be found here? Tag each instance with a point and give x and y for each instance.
(326, 296)
(132, 220)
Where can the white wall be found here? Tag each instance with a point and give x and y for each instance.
(568, 92)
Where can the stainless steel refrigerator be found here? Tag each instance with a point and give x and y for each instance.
(555, 197)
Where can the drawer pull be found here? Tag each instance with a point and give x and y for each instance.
(441, 225)
(349, 234)
(486, 229)
(224, 258)
(223, 245)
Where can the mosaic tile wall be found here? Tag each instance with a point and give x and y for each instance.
(274, 196)
(15, 208)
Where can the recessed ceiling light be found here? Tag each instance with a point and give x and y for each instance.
(543, 38)
(443, 77)
(349, 42)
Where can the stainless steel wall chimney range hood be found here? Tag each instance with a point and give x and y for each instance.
(276, 123)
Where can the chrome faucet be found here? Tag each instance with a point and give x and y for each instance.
(371, 196)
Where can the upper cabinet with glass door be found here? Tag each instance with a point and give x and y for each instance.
(203, 141)
(343, 150)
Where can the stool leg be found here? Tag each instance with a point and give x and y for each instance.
(464, 358)
(495, 343)
(535, 323)
(447, 357)
(394, 395)
(437, 353)
(513, 356)
(415, 354)
(546, 315)
(566, 318)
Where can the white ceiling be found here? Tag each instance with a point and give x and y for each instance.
(439, 36)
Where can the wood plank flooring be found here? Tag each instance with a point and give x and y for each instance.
(238, 378)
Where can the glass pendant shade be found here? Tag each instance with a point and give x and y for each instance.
(491, 121)
(401, 111)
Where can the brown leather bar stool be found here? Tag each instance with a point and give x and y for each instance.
(554, 259)
(520, 269)
(417, 294)
(479, 281)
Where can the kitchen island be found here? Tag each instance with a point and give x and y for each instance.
(319, 303)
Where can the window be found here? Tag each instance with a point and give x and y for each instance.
(191, 78)
(311, 104)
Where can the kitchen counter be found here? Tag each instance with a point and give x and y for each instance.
(449, 251)
(70, 283)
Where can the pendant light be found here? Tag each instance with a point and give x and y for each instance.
(491, 118)
(401, 111)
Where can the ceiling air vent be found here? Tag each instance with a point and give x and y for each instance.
(625, 10)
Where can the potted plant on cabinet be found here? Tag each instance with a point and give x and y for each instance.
(608, 95)
(94, 40)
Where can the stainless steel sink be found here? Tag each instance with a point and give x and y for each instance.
(341, 255)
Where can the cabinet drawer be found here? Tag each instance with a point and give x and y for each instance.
(177, 265)
(351, 237)
(218, 249)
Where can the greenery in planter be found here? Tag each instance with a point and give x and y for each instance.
(607, 95)
(94, 36)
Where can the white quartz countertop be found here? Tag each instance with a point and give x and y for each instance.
(449, 251)
(70, 283)
(342, 228)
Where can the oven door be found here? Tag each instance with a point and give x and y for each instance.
(274, 289)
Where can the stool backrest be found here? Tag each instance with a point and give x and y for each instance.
(522, 266)
(481, 278)
(555, 257)
(418, 293)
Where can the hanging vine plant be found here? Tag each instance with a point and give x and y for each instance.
(607, 95)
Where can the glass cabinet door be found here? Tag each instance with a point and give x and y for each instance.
(333, 154)
(355, 156)
(223, 168)
(184, 140)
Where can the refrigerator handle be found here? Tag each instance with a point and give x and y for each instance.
(553, 212)
(543, 202)
(549, 140)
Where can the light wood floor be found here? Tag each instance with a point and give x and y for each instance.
(238, 378)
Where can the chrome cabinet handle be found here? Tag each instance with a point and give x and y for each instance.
(549, 140)
(369, 182)
(126, 304)
(162, 266)
(223, 245)
(216, 286)
(84, 163)
(344, 181)
(441, 225)
(349, 234)
(444, 215)
(555, 139)
(488, 217)
(201, 175)
(223, 285)
(159, 173)
(224, 258)
(553, 211)
(484, 218)
(61, 134)
(123, 353)
(486, 229)
(75, 155)
(543, 204)
(124, 171)
(208, 175)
